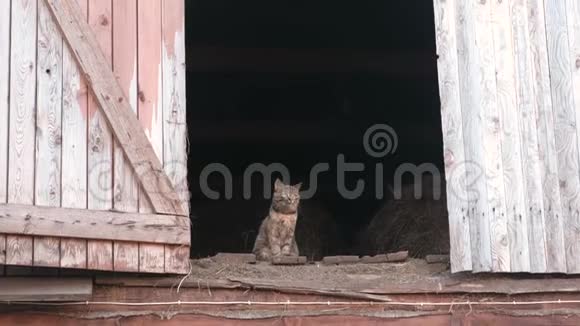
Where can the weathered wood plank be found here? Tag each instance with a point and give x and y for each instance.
(4, 93)
(472, 93)
(174, 98)
(2, 250)
(22, 105)
(19, 250)
(49, 110)
(573, 236)
(151, 258)
(80, 223)
(511, 144)
(46, 252)
(100, 141)
(100, 255)
(74, 130)
(109, 94)
(564, 128)
(73, 253)
(126, 189)
(45, 289)
(451, 119)
(176, 259)
(544, 224)
(126, 256)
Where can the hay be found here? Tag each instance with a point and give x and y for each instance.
(417, 225)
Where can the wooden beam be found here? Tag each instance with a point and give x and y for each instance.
(87, 224)
(42, 289)
(116, 108)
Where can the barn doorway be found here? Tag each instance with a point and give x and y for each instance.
(298, 85)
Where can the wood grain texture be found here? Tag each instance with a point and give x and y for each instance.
(19, 250)
(511, 145)
(4, 93)
(46, 252)
(174, 98)
(97, 225)
(126, 256)
(74, 130)
(100, 255)
(109, 94)
(2, 250)
(49, 110)
(151, 258)
(176, 259)
(149, 18)
(573, 228)
(454, 153)
(545, 227)
(126, 189)
(22, 102)
(472, 93)
(73, 253)
(522, 229)
(564, 128)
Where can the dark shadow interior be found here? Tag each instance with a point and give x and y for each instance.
(299, 83)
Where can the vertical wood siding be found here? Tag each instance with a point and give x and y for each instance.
(58, 149)
(509, 75)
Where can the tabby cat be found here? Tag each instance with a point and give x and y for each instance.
(276, 235)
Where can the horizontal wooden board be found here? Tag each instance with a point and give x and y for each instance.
(45, 289)
(79, 223)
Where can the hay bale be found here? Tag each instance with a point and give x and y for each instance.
(317, 233)
(417, 225)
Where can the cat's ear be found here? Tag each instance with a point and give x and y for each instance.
(298, 185)
(278, 184)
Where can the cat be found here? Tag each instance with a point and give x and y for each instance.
(276, 235)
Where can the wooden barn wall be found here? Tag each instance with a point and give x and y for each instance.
(509, 75)
(56, 148)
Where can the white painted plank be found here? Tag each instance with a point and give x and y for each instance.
(511, 149)
(454, 153)
(472, 93)
(22, 102)
(564, 125)
(174, 98)
(49, 110)
(4, 91)
(74, 131)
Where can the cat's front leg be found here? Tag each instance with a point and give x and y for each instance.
(275, 243)
(286, 249)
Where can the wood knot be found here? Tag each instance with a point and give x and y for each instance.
(578, 63)
(103, 20)
(141, 96)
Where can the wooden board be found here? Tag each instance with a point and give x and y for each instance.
(4, 93)
(510, 140)
(564, 111)
(545, 227)
(454, 153)
(73, 253)
(151, 258)
(174, 98)
(118, 112)
(19, 250)
(74, 130)
(45, 289)
(46, 252)
(88, 224)
(126, 257)
(49, 111)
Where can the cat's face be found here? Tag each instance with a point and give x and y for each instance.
(286, 197)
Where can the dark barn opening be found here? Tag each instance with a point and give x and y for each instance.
(299, 84)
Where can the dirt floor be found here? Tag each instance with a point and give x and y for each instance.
(329, 276)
